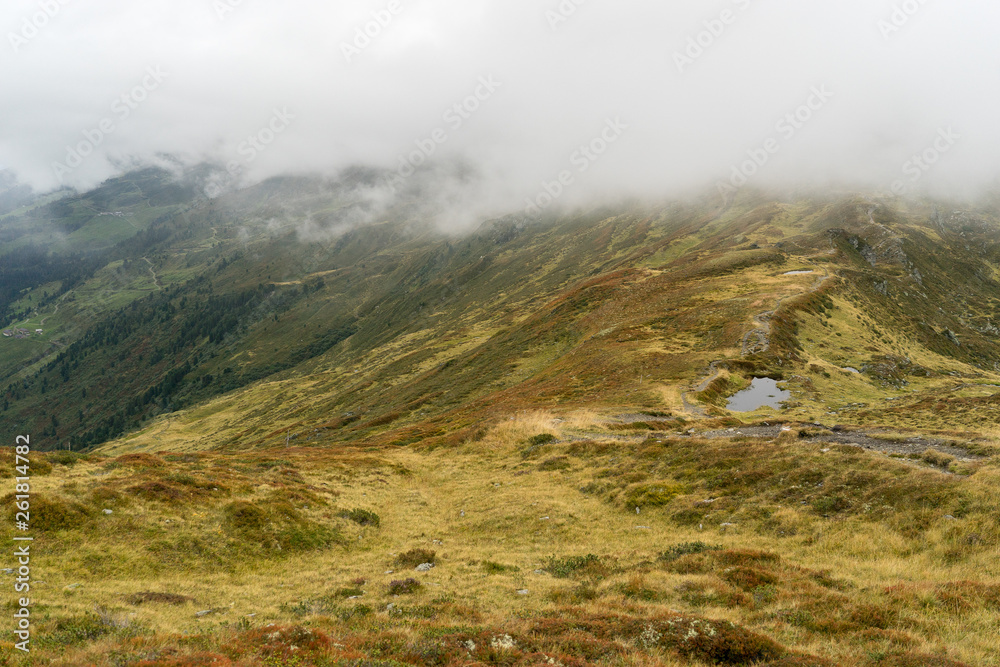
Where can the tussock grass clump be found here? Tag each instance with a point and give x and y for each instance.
(579, 594)
(536, 443)
(634, 426)
(654, 494)
(415, 557)
(497, 568)
(935, 458)
(52, 513)
(161, 598)
(748, 578)
(590, 448)
(712, 592)
(88, 627)
(296, 496)
(39, 466)
(276, 528)
(65, 457)
(834, 614)
(684, 549)
(636, 588)
(244, 517)
(362, 517)
(107, 497)
(139, 460)
(831, 505)
(590, 565)
(554, 464)
(799, 661)
(157, 491)
(956, 598)
(746, 557)
(349, 592)
(920, 660)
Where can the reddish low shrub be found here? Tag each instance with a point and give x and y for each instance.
(140, 460)
(748, 578)
(800, 661)
(920, 660)
(201, 659)
(719, 642)
(286, 643)
(157, 491)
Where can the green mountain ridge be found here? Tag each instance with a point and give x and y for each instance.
(404, 328)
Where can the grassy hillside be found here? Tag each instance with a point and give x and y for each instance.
(742, 551)
(289, 399)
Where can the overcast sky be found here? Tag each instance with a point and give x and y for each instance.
(127, 80)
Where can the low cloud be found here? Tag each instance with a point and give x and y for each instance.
(498, 97)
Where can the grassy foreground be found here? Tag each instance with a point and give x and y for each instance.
(555, 539)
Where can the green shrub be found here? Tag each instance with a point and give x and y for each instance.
(244, 518)
(541, 439)
(278, 529)
(830, 505)
(77, 629)
(578, 594)
(361, 517)
(140, 460)
(571, 566)
(556, 463)
(52, 513)
(415, 557)
(350, 592)
(64, 457)
(497, 568)
(656, 494)
(684, 549)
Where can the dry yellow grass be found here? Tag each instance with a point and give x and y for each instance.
(496, 519)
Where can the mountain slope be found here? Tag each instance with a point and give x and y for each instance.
(292, 396)
(391, 324)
